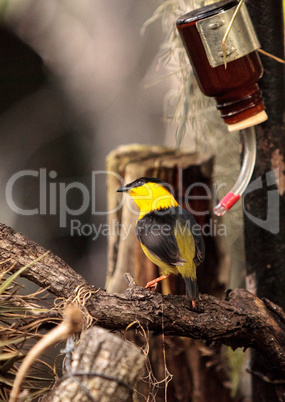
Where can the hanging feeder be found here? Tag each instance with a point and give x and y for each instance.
(234, 85)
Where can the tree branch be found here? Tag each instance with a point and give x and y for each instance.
(51, 272)
(241, 320)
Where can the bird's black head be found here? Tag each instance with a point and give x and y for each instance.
(140, 182)
(150, 194)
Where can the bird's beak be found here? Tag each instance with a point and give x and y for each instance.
(122, 189)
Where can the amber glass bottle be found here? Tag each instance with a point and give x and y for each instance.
(235, 86)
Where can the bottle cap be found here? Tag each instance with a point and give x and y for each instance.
(251, 121)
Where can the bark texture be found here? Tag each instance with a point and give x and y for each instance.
(265, 258)
(111, 366)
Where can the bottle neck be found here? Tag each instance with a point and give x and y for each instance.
(245, 104)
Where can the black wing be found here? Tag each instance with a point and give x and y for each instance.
(197, 235)
(156, 233)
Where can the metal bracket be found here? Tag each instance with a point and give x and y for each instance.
(241, 41)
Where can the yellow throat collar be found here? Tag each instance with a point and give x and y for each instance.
(151, 197)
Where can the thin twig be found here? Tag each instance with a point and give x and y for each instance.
(271, 56)
(228, 31)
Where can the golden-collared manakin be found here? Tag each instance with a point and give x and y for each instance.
(169, 235)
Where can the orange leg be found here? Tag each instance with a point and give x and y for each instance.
(154, 282)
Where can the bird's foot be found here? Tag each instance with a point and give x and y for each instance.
(151, 287)
(153, 284)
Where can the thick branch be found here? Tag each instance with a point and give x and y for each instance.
(51, 272)
(241, 320)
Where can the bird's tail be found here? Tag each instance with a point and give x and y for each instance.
(191, 288)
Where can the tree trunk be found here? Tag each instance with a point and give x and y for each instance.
(264, 236)
(111, 366)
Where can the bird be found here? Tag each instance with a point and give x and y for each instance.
(169, 234)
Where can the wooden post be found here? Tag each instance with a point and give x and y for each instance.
(183, 171)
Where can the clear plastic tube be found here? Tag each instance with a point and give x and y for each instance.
(245, 173)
